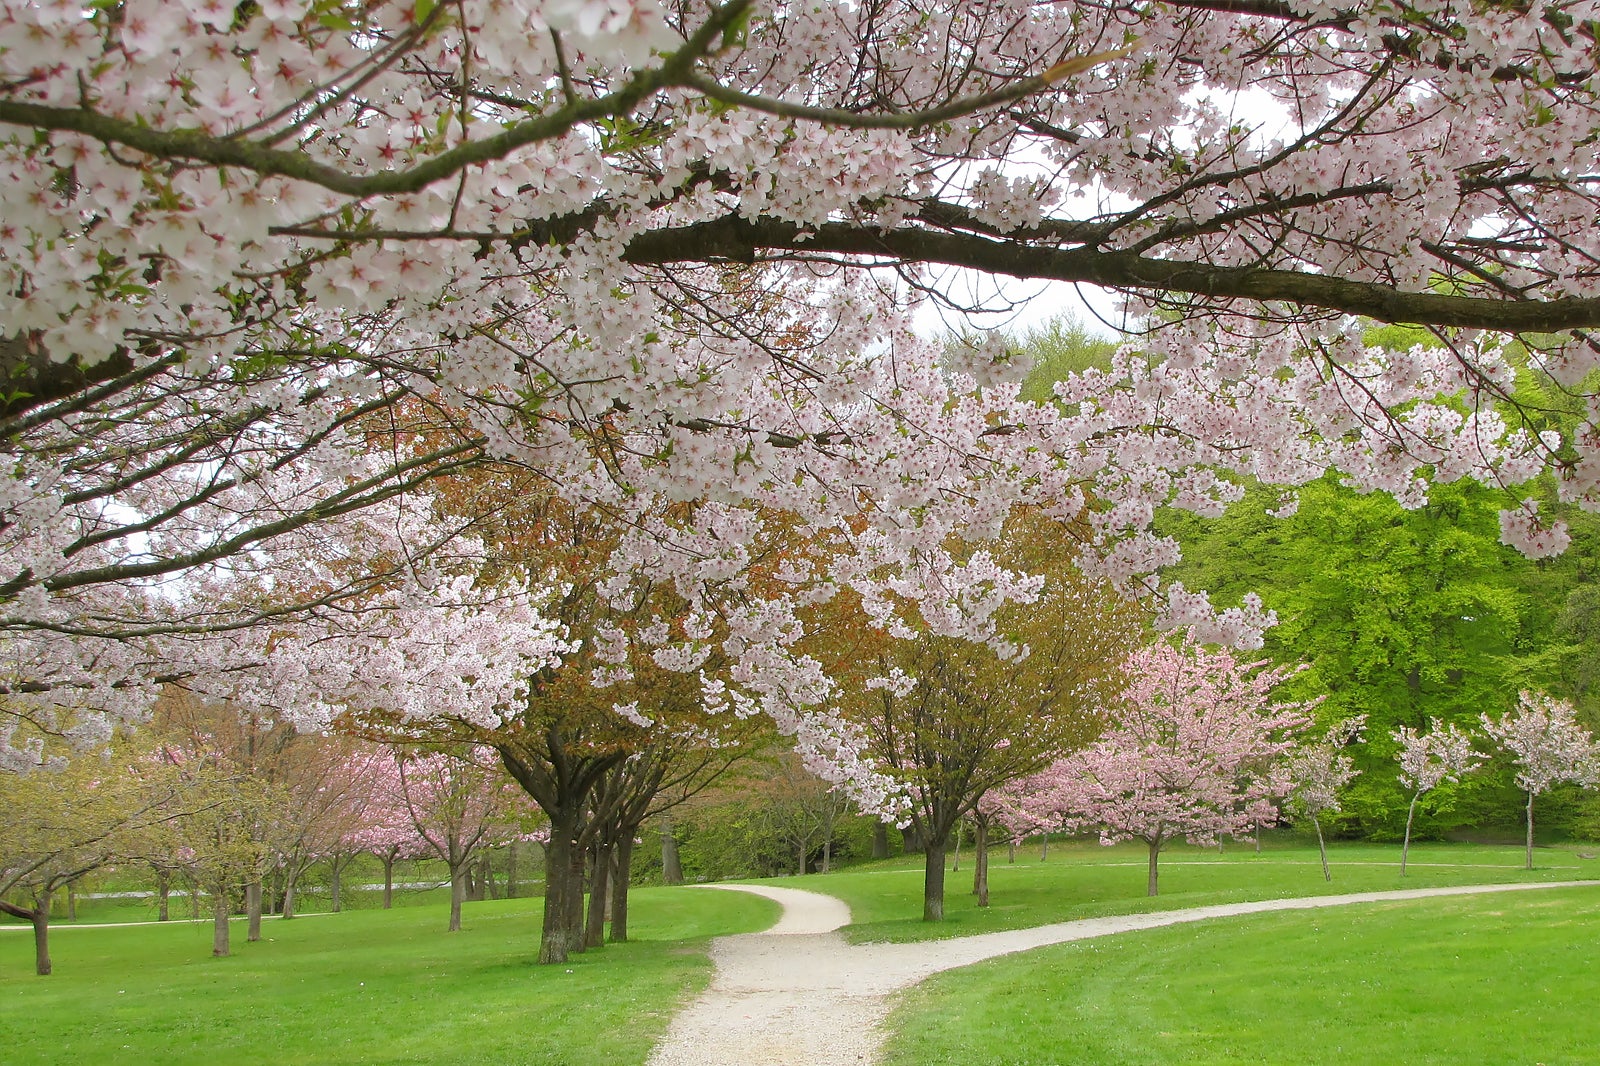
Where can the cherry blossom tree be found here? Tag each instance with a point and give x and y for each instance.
(244, 243)
(1549, 745)
(1195, 751)
(1318, 771)
(1427, 760)
(458, 804)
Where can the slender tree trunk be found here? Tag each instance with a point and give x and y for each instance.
(72, 902)
(488, 875)
(955, 866)
(252, 910)
(290, 894)
(163, 895)
(827, 854)
(194, 899)
(619, 888)
(800, 850)
(1405, 848)
(388, 880)
(1155, 853)
(933, 882)
(1011, 849)
(1530, 830)
(980, 861)
(511, 869)
(1044, 850)
(335, 883)
(220, 906)
(1258, 836)
(880, 841)
(594, 929)
(1322, 849)
(458, 892)
(671, 863)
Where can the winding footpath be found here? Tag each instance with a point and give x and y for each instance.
(798, 995)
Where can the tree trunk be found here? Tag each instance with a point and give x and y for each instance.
(827, 854)
(335, 870)
(511, 870)
(1011, 849)
(458, 893)
(800, 851)
(1530, 830)
(252, 910)
(41, 939)
(1044, 850)
(575, 898)
(933, 882)
(388, 880)
(1258, 835)
(619, 888)
(911, 840)
(289, 894)
(72, 902)
(557, 887)
(955, 867)
(1322, 849)
(486, 875)
(163, 895)
(1405, 848)
(594, 927)
(980, 862)
(219, 922)
(1155, 853)
(194, 899)
(880, 841)
(671, 864)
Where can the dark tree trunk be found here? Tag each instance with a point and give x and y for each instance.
(72, 902)
(955, 866)
(619, 888)
(1322, 849)
(933, 883)
(557, 890)
(219, 922)
(388, 880)
(980, 861)
(474, 892)
(252, 910)
(41, 937)
(1044, 849)
(671, 864)
(911, 840)
(1155, 853)
(594, 928)
(486, 876)
(163, 895)
(880, 841)
(335, 883)
(458, 893)
(575, 899)
(800, 850)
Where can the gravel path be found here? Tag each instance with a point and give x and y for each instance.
(798, 995)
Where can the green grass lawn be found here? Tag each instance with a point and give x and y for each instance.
(365, 987)
(1488, 979)
(1085, 880)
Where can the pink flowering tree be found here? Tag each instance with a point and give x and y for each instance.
(1442, 755)
(1549, 746)
(458, 804)
(1318, 772)
(588, 237)
(1194, 751)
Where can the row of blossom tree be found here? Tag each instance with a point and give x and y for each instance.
(1199, 750)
